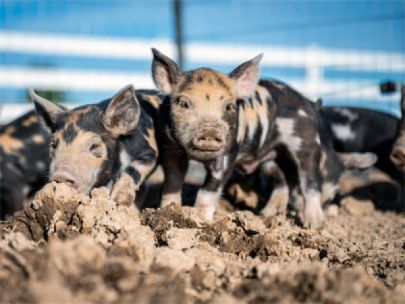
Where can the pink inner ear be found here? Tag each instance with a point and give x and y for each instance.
(163, 81)
(247, 82)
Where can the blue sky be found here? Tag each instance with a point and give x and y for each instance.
(354, 25)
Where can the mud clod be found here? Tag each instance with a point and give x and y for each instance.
(70, 248)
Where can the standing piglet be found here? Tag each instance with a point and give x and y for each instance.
(111, 143)
(229, 121)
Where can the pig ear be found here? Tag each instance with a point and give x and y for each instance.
(164, 72)
(46, 110)
(247, 76)
(122, 113)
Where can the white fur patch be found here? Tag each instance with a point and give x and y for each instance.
(286, 129)
(124, 158)
(264, 122)
(207, 202)
(343, 132)
(285, 125)
(251, 129)
(301, 112)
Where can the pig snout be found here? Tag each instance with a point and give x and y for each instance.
(65, 178)
(398, 156)
(209, 139)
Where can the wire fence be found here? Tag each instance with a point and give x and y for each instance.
(88, 50)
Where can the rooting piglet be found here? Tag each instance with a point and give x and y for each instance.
(111, 143)
(231, 121)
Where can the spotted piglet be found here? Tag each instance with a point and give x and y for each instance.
(230, 121)
(111, 143)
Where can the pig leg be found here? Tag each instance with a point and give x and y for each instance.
(209, 195)
(310, 184)
(174, 169)
(130, 180)
(278, 201)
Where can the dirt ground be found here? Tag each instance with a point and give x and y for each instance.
(67, 247)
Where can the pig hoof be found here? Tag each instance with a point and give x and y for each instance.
(124, 198)
(313, 217)
(206, 212)
(169, 199)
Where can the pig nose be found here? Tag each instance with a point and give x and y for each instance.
(208, 139)
(398, 156)
(65, 178)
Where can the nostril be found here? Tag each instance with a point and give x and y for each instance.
(216, 139)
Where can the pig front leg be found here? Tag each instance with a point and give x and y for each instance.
(209, 195)
(174, 169)
(130, 180)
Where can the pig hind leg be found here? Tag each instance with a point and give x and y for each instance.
(308, 159)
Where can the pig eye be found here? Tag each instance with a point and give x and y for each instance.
(184, 103)
(230, 108)
(96, 149)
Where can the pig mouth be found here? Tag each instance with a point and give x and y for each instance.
(204, 154)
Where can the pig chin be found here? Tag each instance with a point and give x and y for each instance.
(86, 187)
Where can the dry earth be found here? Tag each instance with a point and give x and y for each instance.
(66, 247)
